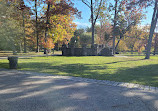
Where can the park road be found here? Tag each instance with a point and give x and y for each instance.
(31, 91)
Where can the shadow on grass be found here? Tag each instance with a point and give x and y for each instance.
(4, 65)
(83, 70)
(146, 75)
(25, 58)
(124, 61)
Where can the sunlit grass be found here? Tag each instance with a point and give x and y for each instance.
(133, 69)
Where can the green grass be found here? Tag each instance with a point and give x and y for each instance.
(133, 69)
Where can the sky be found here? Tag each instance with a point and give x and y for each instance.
(85, 13)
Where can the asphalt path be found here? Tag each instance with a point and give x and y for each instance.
(31, 91)
(44, 55)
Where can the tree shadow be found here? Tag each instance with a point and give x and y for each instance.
(33, 92)
(26, 58)
(83, 70)
(4, 65)
(124, 61)
(145, 75)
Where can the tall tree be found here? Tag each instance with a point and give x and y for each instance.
(114, 26)
(58, 15)
(124, 19)
(152, 28)
(95, 8)
(147, 3)
(22, 7)
(16, 18)
(47, 23)
(36, 30)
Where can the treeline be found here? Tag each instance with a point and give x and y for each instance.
(33, 25)
(40, 24)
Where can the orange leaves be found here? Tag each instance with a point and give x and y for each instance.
(49, 44)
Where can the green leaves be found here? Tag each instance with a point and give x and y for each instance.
(10, 27)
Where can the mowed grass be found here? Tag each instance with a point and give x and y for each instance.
(133, 69)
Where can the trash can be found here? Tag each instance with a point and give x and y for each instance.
(13, 62)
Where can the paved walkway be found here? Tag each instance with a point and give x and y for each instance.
(33, 56)
(30, 91)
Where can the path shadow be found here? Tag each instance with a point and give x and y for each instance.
(33, 92)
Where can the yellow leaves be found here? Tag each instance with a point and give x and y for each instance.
(139, 46)
(122, 46)
(62, 28)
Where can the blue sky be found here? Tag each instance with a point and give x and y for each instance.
(84, 22)
(85, 13)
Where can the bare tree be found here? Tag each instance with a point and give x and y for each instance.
(95, 8)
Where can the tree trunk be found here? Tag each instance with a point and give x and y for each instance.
(37, 49)
(24, 32)
(115, 17)
(152, 28)
(132, 49)
(118, 42)
(92, 21)
(46, 30)
(155, 45)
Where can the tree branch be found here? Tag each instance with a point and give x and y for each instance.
(86, 3)
(98, 12)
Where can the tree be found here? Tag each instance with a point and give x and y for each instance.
(114, 26)
(155, 44)
(95, 8)
(122, 46)
(75, 40)
(136, 39)
(124, 19)
(60, 25)
(146, 3)
(23, 10)
(62, 29)
(152, 28)
(104, 33)
(10, 26)
(36, 30)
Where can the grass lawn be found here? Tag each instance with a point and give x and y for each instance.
(133, 69)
